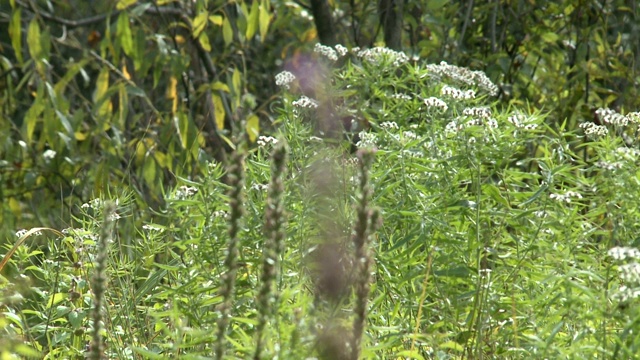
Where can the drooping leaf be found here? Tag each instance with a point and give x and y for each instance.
(252, 24)
(227, 31)
(124, 33)
(265, 19)
(100, 97)
(15, 33)
(218, 111)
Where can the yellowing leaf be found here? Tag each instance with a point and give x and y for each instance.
(216, 19)
(123, 4)
(125, 72)
(99, 96)
(220, 86)
(204, 41)
(33, 39)
(236, 82)
(265, 19)
(199, 24)
(227, 32)
(15, 33)
(124, 33)
(218, 111)
(172, 93)
(253, 127)
(80, 136)
(252, 24)
(179, 39)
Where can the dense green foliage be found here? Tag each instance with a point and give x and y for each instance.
(497, 218)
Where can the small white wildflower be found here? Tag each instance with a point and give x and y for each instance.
(401, 96)
(185, 191)
(609, 116)
(434, 102)
(634, 117)
(366, 139)
(389, 125)
(260, 187)
(462, 75)
(377, 54)
(284, 79)
(409, 135)
(265, 140)
(326, 51)
(452, 128)
(483, 112)
(457, 93)
(220, 214)
(540, 213)
(609, 165)
(623, 253)
(592, 130)
(630, 273)
(566, 197)
(49, 154)
(342, 51)
(151, 227)
(305, 102)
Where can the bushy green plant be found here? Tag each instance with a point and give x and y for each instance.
(497, 236)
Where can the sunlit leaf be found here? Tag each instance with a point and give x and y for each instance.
(216, 19)
(265, 19)
(252, 24)
(199, 23)
(219, 111)
(253, 127)
(220, 86)
(15, 33)
(227, 31)
(123, 4)
(99, 97)
(204, 41)
(124, 33)
(172, 93)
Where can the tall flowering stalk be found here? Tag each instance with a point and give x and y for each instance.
(274, 235)
(236, 182)
(99, 282)
(365, 226)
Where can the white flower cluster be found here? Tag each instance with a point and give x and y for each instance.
(265, 140)
(482, 112)
(464, 76)
(623, 253)
(521, 121)
(366, 139)
(326, 51)
(593, 130)
(22, 232)
(284, 79)
(305, 102)
(220, 214)
(630, 154)
(452, 128)
(457, 93)
(376, 54)
(342, 51)
(389, 125)
(184, 192)
(634, 117)
(49, 154)
(566, 197)
(401, 96)
(260, 187)
(629, 273)
(434, 102)
(609, 165)
(609, 116)
(409, 135)
(152, 228)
